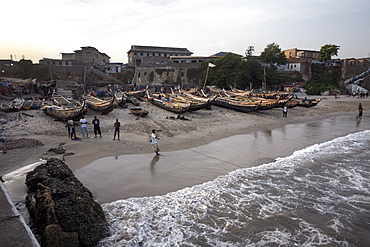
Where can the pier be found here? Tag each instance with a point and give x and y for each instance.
(13, 229)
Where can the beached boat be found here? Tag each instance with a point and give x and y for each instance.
(4, 107)
(175, 107)
(283, 100)
(265, 104)
(133, 100)
(308, 102)
(292, 103)
(27, 104)
(138, 111)
(63, 112)
(60, 100)
(36, 103)
(196, 102)
(264, 94)
(236, 104)
(16, 104)
(137, 93)
(96, 104)
(120, 99)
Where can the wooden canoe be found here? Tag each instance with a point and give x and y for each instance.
(236, 104)
(169, 106)
(36, 103)
(27, 104)
(96, 104)
(120, 99)
(63, 112)
(138, 111)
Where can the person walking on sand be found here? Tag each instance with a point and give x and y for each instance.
(154, 142)
(83, 122)
(72, 128)
(117, 125)
(96, 124)
(285, 111)
(360, 110)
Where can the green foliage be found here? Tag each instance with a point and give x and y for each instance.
(323, 79)
(273, 55)
(233, 71)
(327, 51)
(249, 52)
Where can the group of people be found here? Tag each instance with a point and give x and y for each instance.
(71, 125)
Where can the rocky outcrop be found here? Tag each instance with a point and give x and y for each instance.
(62, 209)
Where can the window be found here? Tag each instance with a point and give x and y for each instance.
(87, 54)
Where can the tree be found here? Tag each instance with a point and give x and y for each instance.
(273, 55)
(327, 51)
(249, 52)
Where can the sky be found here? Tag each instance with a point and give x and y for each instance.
(44, 29)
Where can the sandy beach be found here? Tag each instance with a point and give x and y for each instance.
(202, 128)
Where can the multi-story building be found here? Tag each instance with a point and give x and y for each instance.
(299, 53)
(153, 55)
(86, 56)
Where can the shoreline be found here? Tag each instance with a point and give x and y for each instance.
(204, 127)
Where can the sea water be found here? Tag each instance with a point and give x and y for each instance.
(318, 196)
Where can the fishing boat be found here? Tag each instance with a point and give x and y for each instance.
(16, 104)
(137, 93)
(265, 104)
(60, 100)
(36, 103)
(175, 107)
(196, 102)
(138, 111)
(120, 99)
(4, 107)
(236, 104)
(27, 104)
(96, 104)
(292, 103)
(264, 94)
(308, 102)
(133, 100)
(63, 112)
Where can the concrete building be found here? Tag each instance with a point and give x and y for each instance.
(153, 55)
(299, 53)
(86, 56)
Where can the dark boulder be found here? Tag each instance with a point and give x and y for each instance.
(62, 209)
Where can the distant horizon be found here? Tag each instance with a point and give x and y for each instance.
(43, 29)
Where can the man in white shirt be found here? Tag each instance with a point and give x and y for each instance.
(83, 122)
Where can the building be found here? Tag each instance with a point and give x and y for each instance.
(153, 55)
(298, 53)
(86, 56)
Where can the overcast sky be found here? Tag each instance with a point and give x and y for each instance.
(45, 28)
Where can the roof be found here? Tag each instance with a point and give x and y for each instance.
(158, 49)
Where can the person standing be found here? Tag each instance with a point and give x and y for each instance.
(117, 126)
(96, 124)
(83, 122)
(285, 111)
(360, 110)
(154, 142)
(72, 128)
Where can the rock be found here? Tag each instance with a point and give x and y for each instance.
(62, 209)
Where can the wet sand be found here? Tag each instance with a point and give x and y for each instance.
(138, 175)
